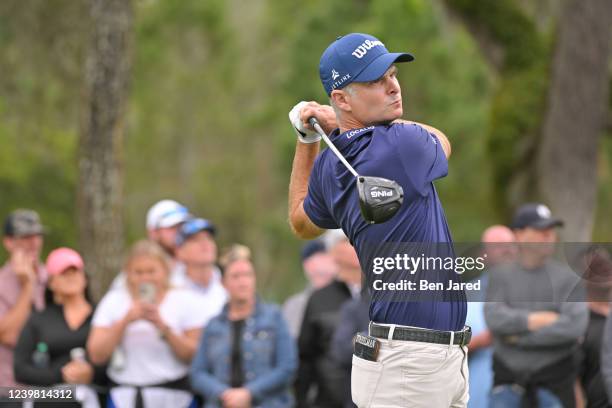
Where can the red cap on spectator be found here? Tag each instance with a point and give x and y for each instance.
(61, 259)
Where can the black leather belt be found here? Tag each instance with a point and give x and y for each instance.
(423, 335)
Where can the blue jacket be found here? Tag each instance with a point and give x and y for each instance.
(269, 358)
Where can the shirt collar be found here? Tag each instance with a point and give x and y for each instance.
(342, 140)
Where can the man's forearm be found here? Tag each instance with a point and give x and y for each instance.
(12, 322)
(305, 155)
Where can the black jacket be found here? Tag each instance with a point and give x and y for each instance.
(317, 367)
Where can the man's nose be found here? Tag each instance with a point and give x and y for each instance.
(393, 86)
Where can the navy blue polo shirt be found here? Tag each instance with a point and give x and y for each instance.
(413, 157)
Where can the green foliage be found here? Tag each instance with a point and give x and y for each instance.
(519, 99)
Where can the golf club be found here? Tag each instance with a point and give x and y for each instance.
(379, 198)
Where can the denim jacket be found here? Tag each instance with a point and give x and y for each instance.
(269, 358)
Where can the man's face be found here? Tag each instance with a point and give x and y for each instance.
(30, 245)
(320, 269)
(165, 237)
(239, 281)
(199, 249)
(537, 241)
(378, 101)
(347, 261)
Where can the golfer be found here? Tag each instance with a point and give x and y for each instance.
(415, 354)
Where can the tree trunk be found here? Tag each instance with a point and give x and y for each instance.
(576, 115)
(100, 196)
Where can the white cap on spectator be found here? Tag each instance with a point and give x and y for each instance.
(166, 213)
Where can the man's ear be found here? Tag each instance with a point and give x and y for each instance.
(8, 244)
(341, 100)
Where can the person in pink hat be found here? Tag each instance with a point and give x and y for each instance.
(51, 347)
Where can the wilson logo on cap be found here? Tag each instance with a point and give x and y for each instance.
(367, 45)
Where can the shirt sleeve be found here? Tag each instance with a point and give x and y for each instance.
(421, 154)
(109, 310)
(315, 202)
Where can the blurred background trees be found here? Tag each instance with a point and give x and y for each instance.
(212, 82)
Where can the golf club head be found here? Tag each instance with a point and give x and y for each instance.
(379, 198)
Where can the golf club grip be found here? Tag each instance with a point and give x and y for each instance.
(315, 124)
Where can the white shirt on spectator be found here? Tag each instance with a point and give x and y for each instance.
(147, 357)
(211, 297)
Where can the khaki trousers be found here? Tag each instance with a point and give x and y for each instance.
(412, 374)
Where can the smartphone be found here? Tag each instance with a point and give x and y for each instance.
(147, 292)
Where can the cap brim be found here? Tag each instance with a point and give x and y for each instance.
(181, 239)
(380, 65)
(546, 224)
(65, 267)
(172, 220)
(34, 231)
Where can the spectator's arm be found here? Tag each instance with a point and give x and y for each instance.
(286, 364)
(103, 341)
(606, 358)
(501, 318)
(24, 369)
(480, 341)
(12, 322)
(183, 345)
(569, 327)
(202, 381)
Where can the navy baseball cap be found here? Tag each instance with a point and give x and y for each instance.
(311, 248)
(356, 57)
(192, 227)
(535, 215)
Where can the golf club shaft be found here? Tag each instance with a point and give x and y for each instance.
(315, 124)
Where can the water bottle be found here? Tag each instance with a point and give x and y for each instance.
(40, 357)
(78, 354)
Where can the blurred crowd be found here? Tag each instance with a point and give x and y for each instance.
(183, 326)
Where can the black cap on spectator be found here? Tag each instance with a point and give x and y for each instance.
(536, 216)
(311, 248)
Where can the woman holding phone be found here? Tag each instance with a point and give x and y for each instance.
(148, 333)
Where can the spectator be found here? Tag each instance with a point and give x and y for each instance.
(317, 367)
(498, 245)
(164, 219)
(535, 330)
(51, 347)
(246, 356)
(319, 269)
(598, 278)
(197, 250)
(22, 283)
(151, 332)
